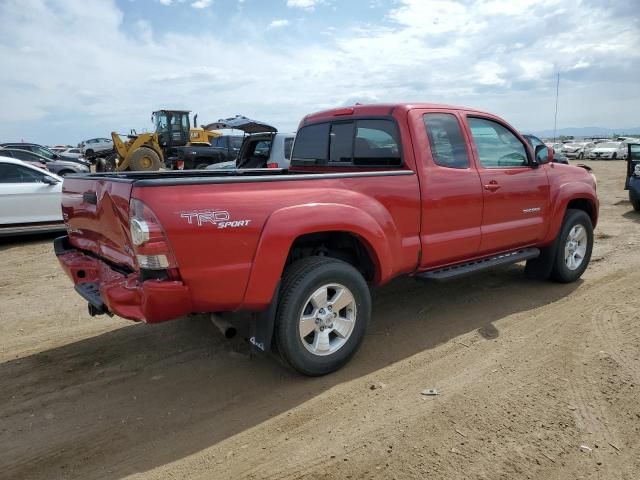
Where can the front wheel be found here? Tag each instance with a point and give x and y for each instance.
(580, 156)
(322, 314)
(574, 247)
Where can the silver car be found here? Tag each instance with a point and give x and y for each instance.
(95, 145)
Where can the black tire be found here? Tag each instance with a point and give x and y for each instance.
(107, 164)
(299, 281)
(580, 156)
(62, 173)
(202, 166)
(144, 159)
(635, 200)
(561, 272)
(88, 153)
(614, 156)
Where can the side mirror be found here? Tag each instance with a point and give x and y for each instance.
(543, 154)
(49, 180)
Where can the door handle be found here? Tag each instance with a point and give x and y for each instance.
(492, 186)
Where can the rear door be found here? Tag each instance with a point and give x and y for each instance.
(25, 198)
(516, 195)
(451, 192)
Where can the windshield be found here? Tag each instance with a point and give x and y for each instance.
(45, 152)
(609, 145)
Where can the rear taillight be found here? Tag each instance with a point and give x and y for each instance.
(180, 164)
(272, 165)
(150, 243)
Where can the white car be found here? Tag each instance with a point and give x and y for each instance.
(29, 199)
(577, 150)
(95, 145)
(72, 153)
(609, 151)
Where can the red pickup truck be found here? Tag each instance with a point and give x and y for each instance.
(373, 192)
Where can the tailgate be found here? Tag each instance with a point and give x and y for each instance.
(96, 212)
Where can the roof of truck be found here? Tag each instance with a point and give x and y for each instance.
(380, 109)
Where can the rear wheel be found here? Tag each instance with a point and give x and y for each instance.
(62, 173)
(580, 156)
(614, 156)
(575, 243)
(144, 159)
(322, 314)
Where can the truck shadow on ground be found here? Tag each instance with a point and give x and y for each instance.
(145, 395)
(21, 240)
(632, 215)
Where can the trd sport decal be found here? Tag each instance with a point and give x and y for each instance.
(221, 218)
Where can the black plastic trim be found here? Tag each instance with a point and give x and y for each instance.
(90, 291)
(61, 245)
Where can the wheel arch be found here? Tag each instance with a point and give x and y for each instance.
(338, 231)
(578, 199)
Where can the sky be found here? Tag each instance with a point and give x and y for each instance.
(72, 70)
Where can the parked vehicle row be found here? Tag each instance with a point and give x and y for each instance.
(57, 165)
(44, 152)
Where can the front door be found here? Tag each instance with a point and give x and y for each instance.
(516, 194)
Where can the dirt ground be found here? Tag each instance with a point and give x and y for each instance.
(536, 380)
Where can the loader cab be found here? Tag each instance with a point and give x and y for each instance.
(172, 127)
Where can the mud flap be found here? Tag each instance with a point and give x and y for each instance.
(262, 325)
(540, 268)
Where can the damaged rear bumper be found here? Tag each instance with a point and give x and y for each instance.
(110, 291)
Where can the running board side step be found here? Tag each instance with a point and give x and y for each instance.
(462, 269)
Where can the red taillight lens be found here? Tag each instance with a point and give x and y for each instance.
(180, 164)
(272, 165)
(150, 242)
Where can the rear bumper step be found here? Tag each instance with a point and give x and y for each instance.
(90, 291)
(469, 268)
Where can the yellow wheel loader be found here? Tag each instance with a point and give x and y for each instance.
(201, 136)
(146, 151)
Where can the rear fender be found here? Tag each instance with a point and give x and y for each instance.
(565, 194)
(284, 226)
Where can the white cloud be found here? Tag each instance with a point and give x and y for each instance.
(201, 3)
(165, 2)
(63, 76)
(278, 23)
(304, 4)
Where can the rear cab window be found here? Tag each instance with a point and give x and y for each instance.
(351, 143)
(448, 147)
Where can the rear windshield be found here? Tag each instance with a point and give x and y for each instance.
(360, 143)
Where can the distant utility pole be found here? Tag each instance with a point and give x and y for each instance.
(555, 118)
